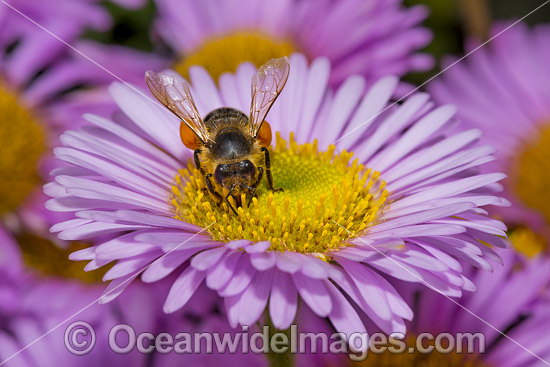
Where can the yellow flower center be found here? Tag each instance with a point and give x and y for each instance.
(530, 177)
(527, 242)
(48, 259)
(224, 53)
(323, 194)
(412, 356)
(22, 143)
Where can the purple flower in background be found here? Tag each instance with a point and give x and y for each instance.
(219, 35)
(26, 49)
(513, 300)
(28, 129)
(36, 71)
(504, 90)
(32, 305)
(410, 201)
(372, 39)
(10, 270)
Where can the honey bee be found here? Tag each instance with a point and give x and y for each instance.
(230, 148)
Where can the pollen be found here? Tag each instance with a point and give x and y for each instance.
(327, 201)
(223, 54)
(22, 142)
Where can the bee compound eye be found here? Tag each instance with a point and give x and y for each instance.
(246, 167)
(245, 164)
(220, 173)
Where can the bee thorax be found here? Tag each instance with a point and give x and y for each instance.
(231, 144)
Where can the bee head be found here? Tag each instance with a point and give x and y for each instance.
(239, 173)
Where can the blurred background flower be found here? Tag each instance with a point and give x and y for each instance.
(524, 314)
(372, 39)
(27, 133)
(504, 91)
(36, 307)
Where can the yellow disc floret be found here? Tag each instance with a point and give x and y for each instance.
(532, 173)
(224, 53)
(325, 202)
(22, 143)
(529, 179)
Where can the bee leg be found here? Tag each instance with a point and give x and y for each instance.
(198, 166)
(268, 170)
(207, 178)
(197, 161)
(227, 199)
(252, 189)
(255, 184)
(260, 175)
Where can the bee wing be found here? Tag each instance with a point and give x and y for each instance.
(175, 93)
(267, 83)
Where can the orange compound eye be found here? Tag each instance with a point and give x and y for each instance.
(188, 137)
(264, 134)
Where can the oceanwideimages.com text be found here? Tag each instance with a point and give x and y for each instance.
(80, 339)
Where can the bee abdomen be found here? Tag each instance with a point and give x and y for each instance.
(225, 116)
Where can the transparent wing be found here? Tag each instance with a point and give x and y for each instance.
(175, 93)
(267, 83)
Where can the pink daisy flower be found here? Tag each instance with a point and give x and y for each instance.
(411, 201)
(26, 55)
(504, 90)
(219, 35)
(36, 71)
(371, 39)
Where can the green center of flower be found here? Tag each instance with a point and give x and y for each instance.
(224, 53)
(22, 143)
(48, 259)
(325, 202)
(530, 174)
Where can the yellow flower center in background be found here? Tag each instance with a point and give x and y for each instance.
(322, 194)
(22, 144)
(223, 54)
(530, 180)
(526, 241)
(48, 259)
(411, 356)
